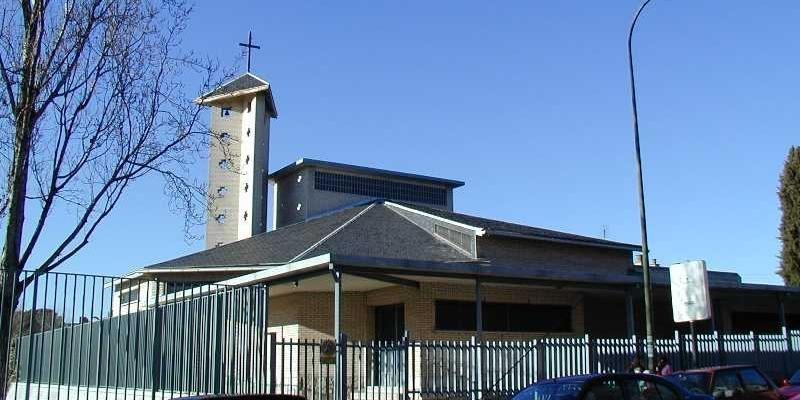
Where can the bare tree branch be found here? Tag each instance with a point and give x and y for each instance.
(94, 98)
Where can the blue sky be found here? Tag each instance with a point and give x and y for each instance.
(526, 101)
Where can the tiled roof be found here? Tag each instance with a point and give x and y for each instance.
(244, 82)
(371, 230)
(366, 230)
(502, 228)
(247, 83)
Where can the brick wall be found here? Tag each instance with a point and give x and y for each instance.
(312, 312)
(540, 254)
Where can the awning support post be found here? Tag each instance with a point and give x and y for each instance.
(478, 393)
(340, 380)
(629, 316)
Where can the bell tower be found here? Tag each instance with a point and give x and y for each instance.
(241, 111)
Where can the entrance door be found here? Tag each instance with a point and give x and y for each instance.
(390, 322)
(388, 358)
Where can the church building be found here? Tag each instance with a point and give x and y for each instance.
(378, 254)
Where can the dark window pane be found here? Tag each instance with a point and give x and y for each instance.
(455, 315)
(753, 380)
(606, 390)
(495, 317)
(504, 317)
(726, 384)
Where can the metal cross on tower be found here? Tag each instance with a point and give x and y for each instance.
(250, 46)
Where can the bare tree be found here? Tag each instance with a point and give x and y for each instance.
(92, 99)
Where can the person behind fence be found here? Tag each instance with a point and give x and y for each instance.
(636, 366)
(663, 367)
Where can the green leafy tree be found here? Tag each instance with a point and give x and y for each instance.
(790, 223)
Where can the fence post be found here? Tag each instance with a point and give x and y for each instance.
(477, 366)
(340, 386)
(541, 372)
(406, 364)
(157, 356)
(273, 366)
(790, 348)
(681, 350)
(756, 348)
(720, 347)
(218, 364)
(591, 357)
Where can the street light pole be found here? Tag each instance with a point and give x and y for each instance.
(648, 306)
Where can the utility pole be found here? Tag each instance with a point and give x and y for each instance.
(648, 303)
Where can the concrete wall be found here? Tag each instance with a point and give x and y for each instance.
(292, 192)
(218, 177)
(246, 182)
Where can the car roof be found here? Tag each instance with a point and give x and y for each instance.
(717, 368)
(587, 377)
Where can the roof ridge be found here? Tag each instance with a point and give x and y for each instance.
(331, 234)
(256, 77)
(435, 237)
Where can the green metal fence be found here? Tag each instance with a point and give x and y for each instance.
(104, 337)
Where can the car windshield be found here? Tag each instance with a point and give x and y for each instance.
(695, 382)
(795, 379)
(551, 391)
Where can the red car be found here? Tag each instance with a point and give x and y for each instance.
(735, 382)
(791, 386)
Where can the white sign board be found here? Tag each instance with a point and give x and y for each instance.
(689, 285)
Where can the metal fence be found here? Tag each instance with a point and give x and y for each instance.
(95, 337)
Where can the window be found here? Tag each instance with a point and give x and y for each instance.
(225, 164)
(225, 112)
(225, 138)
(605, 390)
(220, 218)
(644, 389)
(726, 384)
(129, 296)
(244, 216)
(248, 132)
(696, 382)
(503, 317)
(753, 380)
(172, 287)
(246, 186)
(380, 188)
(551, 391)
(222, 191)
(247, 159)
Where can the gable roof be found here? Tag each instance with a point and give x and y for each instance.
(374, 230)
(371, 229)
(241, 85)
(508, 229)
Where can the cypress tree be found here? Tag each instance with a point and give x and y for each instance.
(789, 194)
